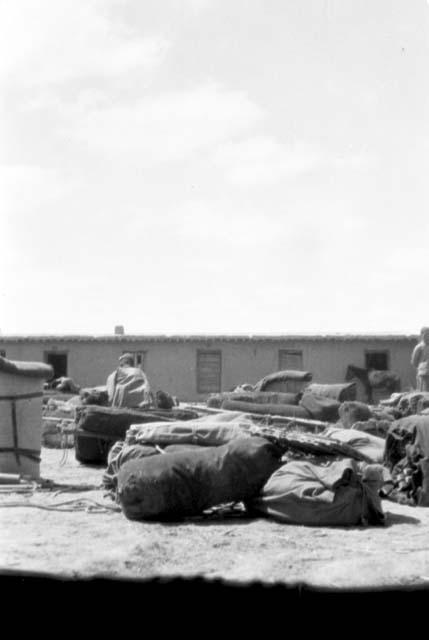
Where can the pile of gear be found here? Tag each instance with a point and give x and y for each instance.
(313, 455)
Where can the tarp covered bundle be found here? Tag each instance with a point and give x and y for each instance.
(175, 470)
(407, 456)
(205, 433)
(384, 379)
(24, 369)
(21, 393)
(94, 395)
(351, 412)
(413, 402)
(339, 494)
(259, 397)
(320, 407)
(374, 427)
(412, 430)
(341, 391)
(99, 427)
(122, 452)
(306, 443)
(287, 410)
(268, 382)
(370, 445)
(176, 485)
(115, 422)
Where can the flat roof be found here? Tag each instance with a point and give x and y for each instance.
(210, 337)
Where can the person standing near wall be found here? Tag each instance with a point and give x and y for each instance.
(420, 360)
(128, 385)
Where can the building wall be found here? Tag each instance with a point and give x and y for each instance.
(171, 365)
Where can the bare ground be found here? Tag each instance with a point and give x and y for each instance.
(82, 544)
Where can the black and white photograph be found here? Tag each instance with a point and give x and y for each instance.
(214, 318)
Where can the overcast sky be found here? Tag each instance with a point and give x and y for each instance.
(191, 166)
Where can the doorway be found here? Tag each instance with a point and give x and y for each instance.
(58, 362)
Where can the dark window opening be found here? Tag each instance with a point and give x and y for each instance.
(2, 353)
(209, 371)
(58, 362)
(378, 360)
(290, 360)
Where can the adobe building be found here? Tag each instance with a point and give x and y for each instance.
(192, 366)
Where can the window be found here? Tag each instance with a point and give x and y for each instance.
(139, 358)
(58, 362)
(2, 353)
(290, 360)
(378, 360)
(209, 371)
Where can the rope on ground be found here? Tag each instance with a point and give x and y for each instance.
(51, 485)
(47, 486)
(85, 504)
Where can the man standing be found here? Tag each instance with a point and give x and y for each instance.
(128, 386)
(420, 360)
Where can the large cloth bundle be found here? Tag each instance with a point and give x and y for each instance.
(65, 385)
(302, 492)
(374, 427)
(100, 427)
(341, 391)
(21, 392)
(320, 407)
(368, 444)
(211, 434)
(351, 412)
(91, 448)
(115, 421)
(270, 381)
(287, 410)
(384, 379)
(94, 395)
(413, 402)
(407, 456)
(259, 397)
(122, 452)
(176, 485)
(389, 414)
(412, 430)
(200, 432)
(53, 394)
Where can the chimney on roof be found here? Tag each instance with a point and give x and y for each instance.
(119, 330)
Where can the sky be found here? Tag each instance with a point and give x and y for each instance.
(214, 166)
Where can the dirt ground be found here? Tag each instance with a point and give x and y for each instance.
(103, 543)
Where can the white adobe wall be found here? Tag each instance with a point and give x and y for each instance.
(172, 365)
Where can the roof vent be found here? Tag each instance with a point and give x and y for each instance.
(119, 330)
